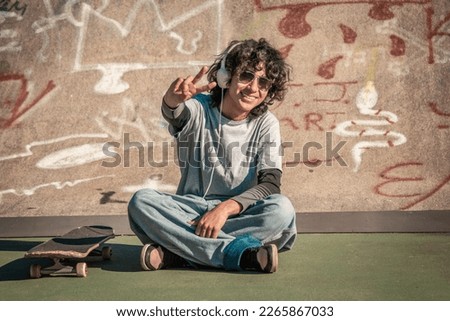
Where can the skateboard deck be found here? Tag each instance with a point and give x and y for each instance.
(76, 245)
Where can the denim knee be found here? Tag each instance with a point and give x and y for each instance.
(282, 206)
(138, 200)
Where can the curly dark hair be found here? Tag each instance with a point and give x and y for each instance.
(250, 55)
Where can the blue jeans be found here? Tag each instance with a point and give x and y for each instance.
(163, 218)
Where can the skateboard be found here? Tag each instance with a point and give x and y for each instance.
(74, 247)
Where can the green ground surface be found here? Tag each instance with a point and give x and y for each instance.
(320, 267)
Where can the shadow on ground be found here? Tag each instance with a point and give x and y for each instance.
(125, 259)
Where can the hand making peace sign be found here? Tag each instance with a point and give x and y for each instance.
(183, 89)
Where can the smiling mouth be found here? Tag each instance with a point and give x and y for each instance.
(247, 97)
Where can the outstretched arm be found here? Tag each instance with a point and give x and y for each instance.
(179, 91)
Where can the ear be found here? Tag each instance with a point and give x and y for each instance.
(223, 78)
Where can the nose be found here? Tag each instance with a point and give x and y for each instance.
(254, 84)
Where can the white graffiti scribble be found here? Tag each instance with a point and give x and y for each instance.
(115, 126)
(56, 185)
(13, 45)
(366, 99)
(45, 24)
(111, 81)
(28, 147)
(74, 156)
(180, 40)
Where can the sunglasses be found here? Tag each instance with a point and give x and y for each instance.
(247, 77)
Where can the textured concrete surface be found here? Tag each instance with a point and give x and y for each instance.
(365, 124)
(320, 267)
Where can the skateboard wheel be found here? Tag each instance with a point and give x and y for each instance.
(81, 269)
(106, 253)
(35, 271)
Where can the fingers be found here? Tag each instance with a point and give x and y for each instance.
(207, 232)
(207, 87)
(186, 87)
(176, 84)
(203, 230)
(200, 74)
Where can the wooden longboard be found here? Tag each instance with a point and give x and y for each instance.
(76, 245)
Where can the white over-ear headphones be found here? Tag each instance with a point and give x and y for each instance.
(223, 75)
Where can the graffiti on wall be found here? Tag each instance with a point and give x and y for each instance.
(16, 103)
(406, 47)
(112, 72)
(81, 15)
(341, 93)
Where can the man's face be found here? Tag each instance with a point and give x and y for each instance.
(247, 90)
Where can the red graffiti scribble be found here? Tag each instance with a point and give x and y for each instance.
(433, 32)
(381, 11)
(295, 85)
(435, 109)
(348, 33)
(427, 195)
(290, 122)
(294, 24)
(17, 108)
(285, 50)
(327, 70)
(335, 114)
(391, 179)
(313, 119)
(394, 179)
(398, 46)
(344, 86)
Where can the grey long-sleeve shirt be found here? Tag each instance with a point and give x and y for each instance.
(246, 166)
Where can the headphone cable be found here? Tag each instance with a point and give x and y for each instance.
(218, 143)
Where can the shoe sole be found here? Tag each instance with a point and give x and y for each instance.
(148, 248)
(272, 258)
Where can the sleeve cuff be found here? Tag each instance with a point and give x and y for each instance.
(249, 197)
(172, 113)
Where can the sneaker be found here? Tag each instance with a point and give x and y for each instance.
(262, 259)
(155, 257)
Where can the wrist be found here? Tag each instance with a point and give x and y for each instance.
(231, 207)
(169, 104)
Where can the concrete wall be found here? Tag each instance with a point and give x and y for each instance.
(366, 122)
